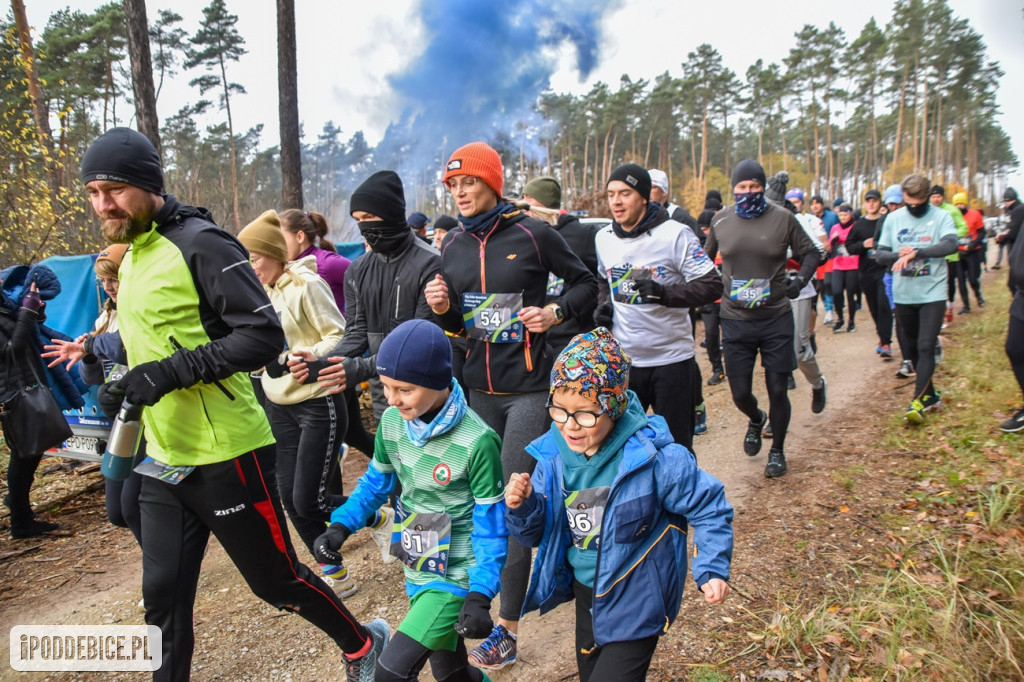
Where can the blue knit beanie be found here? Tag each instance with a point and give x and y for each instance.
(417, 352)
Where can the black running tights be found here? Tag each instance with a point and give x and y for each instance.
(779, 408)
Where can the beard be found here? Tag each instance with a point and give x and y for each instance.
(122, 228)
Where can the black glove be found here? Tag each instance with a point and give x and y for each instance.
(603, 315)
(794, 287)
(475, 617)
(314, 368)
(650, 290)
(276, 368)
(110, 398)
(32, 302)
(326, 547)
(835, 241)
(146, 384)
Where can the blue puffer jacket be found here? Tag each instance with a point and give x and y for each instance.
(642, 562)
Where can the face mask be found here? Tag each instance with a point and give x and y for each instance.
(919, 210)
(383, 237)
(963, 211)
(750, 204)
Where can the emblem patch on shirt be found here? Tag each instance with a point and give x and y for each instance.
(442, 474)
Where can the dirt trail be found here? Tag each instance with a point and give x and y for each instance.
(93, 577)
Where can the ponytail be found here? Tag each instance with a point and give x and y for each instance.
(312, 224)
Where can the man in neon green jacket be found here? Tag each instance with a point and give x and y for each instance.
(957, 274)
(194, 321)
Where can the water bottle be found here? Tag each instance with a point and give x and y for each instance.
(123, 443)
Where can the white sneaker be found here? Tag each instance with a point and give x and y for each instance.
(343, 587)
(382, 535)
(344, 454)
(830, 317)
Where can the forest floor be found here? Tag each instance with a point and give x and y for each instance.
(802, 540)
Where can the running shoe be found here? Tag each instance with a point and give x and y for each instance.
(701, 427)
(931, 402)
(790, 382)
(381, 533)
(963, 311)
(852, 327)
(915, 413)
(838, 326)
(342, 583)
(1014, 423)
(776, 464)
(819, 397)
(752, 441)
(830, 317)
(495, 652)
(717, 377)
(885, 352)
(767, 432)
(981, 301)
(906, 370)
(938, 351)
(362, 669)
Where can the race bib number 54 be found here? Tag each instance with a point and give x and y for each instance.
(493, 318)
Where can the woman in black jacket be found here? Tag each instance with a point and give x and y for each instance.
(493, 286)
(16, 371)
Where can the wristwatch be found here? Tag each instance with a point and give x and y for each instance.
(557, 310)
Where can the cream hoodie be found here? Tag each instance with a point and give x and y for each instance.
(311, 321)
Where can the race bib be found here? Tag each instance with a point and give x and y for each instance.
(750, 293)
(163, 472)
(556, 285)
(493, 318)
(421, 540)
(585, 511)
(623, 284)
(919, 267)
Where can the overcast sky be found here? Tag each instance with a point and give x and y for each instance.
(347, 49)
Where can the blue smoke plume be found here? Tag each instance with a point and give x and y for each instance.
(479, 78)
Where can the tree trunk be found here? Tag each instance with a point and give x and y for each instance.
(231, 143)
(703, 150)
(899, 123)
(923, 160)
(39, 112)
(142, 70)
(288, 107)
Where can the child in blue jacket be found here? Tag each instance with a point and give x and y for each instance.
(608, 507)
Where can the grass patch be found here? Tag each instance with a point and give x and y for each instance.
(945, 597)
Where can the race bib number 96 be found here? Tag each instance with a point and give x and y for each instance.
(585, 512)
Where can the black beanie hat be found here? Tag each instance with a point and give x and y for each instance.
(635, 176)
(776, 191)
(705, 218)
(713, 194)
(123, 155)
(382, 195)
(749, 170)
(1009, 194)
(446, 223)
(937, 189)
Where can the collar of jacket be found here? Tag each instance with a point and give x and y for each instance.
(655, 215)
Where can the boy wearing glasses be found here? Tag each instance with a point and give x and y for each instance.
(609, 476)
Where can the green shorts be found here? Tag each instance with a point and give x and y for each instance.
(431, 619)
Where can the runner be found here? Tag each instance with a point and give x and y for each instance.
(1015, 332)
(450, 530)
(913, 242)
(845, 270)
(972, 249)
(894, 200)
(190, 348)
(861, 242)
(710, 313)
(937, 197)
(756, 313)
(603, 460)
(495, 269)
(652, 272)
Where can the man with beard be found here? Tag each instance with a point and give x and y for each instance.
(652, 270)
(194, 321)
(753, 237)
(383, 287)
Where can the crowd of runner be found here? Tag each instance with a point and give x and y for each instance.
(522, 365)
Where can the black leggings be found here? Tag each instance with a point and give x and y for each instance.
(713, 336)
(122, 498)
(404, 658)
(613, 662)
(1015, 339)
(845, 281)
(237, 501)
(356, 436)
(970, 265)
(878, 305)
(956, 276)
(21, 471)
(308, 436)
(669, 389)
(779, 408)
(921, 324)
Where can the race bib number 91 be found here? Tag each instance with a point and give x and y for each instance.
(421, 540)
